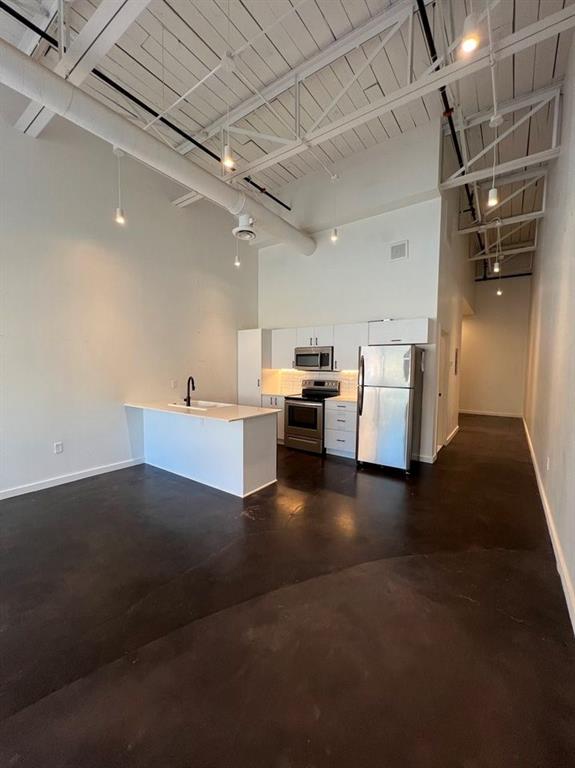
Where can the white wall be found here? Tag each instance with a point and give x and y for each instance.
(354, 280)
(494, 349)
(455, 295)
(391, 175)
(93, 314)
(549, 409)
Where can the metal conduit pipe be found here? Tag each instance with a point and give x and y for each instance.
(31, 79)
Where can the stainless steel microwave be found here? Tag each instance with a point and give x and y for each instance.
(314, 358)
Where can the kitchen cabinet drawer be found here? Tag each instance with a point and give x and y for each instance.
(340, 406)
(413, 330)
(337, 440)
(341, 420)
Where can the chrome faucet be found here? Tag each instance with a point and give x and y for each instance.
(188, 397)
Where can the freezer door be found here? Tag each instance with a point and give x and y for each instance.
(388, 365)
(384, 427)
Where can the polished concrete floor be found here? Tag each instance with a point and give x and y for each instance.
(338, 619)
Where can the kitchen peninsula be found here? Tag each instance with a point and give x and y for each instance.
(228, 447)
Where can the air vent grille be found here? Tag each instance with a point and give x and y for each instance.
(398, 251)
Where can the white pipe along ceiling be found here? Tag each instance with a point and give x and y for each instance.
(31, 79)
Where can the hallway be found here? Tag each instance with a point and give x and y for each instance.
(336, 619)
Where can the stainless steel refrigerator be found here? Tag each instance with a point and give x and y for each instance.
(389, 405)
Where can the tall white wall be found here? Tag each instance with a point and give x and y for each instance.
(494, 349)
(354, 280)
(93, 314)
(455, 296)
(549, 409)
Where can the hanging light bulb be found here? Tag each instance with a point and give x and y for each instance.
(228, 160)
(492, 198)
(470, 36)
(237, 262)
(120, 216)
(499, 292)
(496, 267)
(334, 237)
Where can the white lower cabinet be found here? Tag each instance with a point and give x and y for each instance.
(340, 427)
(276, 401)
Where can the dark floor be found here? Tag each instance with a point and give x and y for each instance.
(337, 619)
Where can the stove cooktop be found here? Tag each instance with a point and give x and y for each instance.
(317, 390)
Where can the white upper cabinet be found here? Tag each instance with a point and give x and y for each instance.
(408, 331)
(315, 336)
(284, 341)
(254, 354)
(347, 339)
(323, 336)
(305, 337)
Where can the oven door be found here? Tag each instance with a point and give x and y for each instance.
(304, 425)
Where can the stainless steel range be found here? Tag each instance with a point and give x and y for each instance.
(304, 414)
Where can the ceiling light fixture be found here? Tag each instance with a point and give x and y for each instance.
(470, 37)
(245, 229)
(499, 292)
(496, 267)
(227, 65)
(334, 237)
(492, 198)
(228, 160)
(120, 217)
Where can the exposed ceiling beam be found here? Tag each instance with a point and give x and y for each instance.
(513, 178)
(331, 53)
(510, 106)
(510, 165)
(525, 38)
(100, 33)
(505, 252)
(502, 222)
(30, 39)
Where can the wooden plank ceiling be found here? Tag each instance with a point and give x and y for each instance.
(174, 43)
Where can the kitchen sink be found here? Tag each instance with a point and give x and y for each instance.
(200, 405)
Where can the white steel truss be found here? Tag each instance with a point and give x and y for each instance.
(101, 32)
(429, 83)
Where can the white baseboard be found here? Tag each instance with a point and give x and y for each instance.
(451, 435)
(50, 482)
(427, 459)
(566, 581)
(493, 413)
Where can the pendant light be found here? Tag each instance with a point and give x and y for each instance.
(334, 237)
(470, 37)
(237, 262)
(496, 119)
(496, 266)
(120, 217)
(227, 65)
(499, 292)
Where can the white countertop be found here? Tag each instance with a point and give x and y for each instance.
(226, 412)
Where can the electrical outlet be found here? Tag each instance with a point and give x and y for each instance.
(548, 464)
(58, 447)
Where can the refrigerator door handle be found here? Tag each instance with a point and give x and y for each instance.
(361, 386)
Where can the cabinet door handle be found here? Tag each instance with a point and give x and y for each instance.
(339, 440)
(341, 421)
(335, 365)
(293, 363)
(341, 406)
(276, 400)
(258, 382)
(316, 341)
(310, 341)
(396, 340)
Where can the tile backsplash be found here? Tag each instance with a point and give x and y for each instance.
(289, 381)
